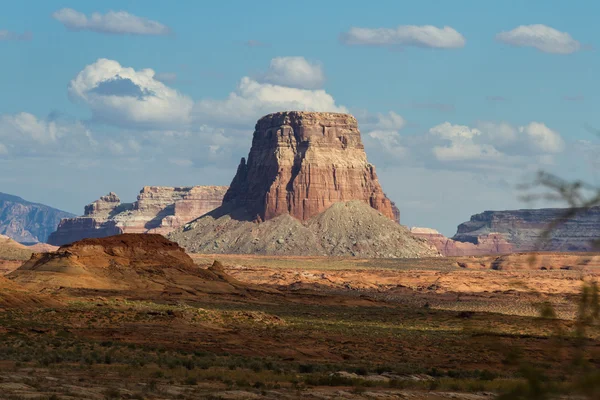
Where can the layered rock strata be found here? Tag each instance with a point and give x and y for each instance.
(301, 163)
(525, 229)
(492, 243)
(158, 209)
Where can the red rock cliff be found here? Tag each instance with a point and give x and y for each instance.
(301, 163)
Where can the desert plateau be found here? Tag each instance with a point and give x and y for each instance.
(320, 200)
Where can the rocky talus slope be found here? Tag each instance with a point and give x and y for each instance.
(344, 229)
(158, 209)
(28, 222)
(300, 163)
(524, 229)
(492, 243)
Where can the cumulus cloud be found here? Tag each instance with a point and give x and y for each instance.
(542, 138)
(495, 142)
(541, 37)
(253, 99)
(114, 22)
(405, 35)
(125, 97)
(8, 35)
(462, 144)
(295, 72)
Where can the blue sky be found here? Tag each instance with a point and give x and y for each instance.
(473, 110)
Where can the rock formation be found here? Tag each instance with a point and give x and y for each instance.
(307, 189)
(524, 229)
(344, 229)
(158, 209)
(493, 243)
(301, 163)
(27, 222)
(144, 265)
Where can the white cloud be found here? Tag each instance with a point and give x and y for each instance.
(405, 35)
(253, 99)
(462, 144)
(495, 142)
(541, 37)
(542, 138)
(295, 72)
(115, 22)
(3, 149)
(123, 96)
(8, 35)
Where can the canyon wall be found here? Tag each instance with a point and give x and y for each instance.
(158, 209)
(524, 229)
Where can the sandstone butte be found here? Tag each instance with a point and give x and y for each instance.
(301, 163)
(158, 209)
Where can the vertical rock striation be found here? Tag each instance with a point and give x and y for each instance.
(301, 163)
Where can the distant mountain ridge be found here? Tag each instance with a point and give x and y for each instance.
(28, 222)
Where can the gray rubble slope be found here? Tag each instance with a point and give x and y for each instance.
(344, 229)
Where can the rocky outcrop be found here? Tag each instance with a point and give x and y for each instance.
(27, 222)
(493, 243)
(301, 163)
(142, 265)
(158, 209)
(525, 229)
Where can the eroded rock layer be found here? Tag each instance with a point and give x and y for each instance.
(158, 209)
(492, 243)
(143, 265)
(301, 163)
(525, 229)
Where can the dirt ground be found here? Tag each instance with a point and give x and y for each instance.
(302, 327)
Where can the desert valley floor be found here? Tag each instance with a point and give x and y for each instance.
(251, 327)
